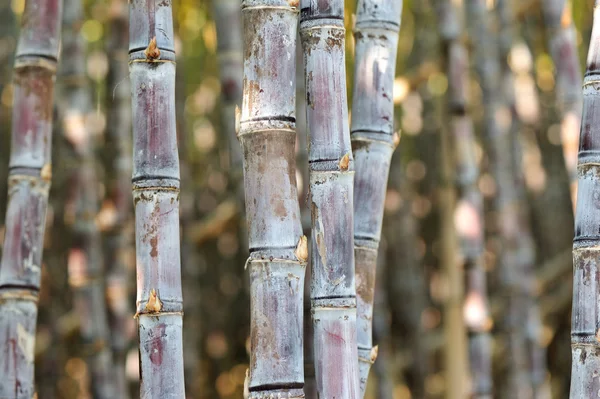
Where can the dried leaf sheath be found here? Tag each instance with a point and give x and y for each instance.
(333, 292)
(156, 198)
(468, 213)
(29, 182)
(376, 34)
(585, 346)
(278, 251)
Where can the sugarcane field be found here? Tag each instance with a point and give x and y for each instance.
(286, 199)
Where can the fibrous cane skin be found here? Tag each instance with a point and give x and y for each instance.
(468, 213)
(278, 250)
(376, 34)
(562, 38)
(585, 330)
(331, 166)
(156, 198)
(29, 182)
(85, 260)
(119, 237)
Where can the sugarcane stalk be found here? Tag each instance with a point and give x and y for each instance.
(231, 64)
(406, 282)
(526, 246)
(468, 212)
(516, 257)
(373, 142)
(310, 386)
(585, 346)
(156, 198)
(85, 260)
(562, 41)
(118, 236)
(278, 250)
(455, 346)
(29, 182)
(331, 174)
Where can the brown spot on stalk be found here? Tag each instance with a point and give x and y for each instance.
(152, 52)
(156, 344)
(154, 305)
(301, 251)
(293, 3)
(154, 245)
(344, 162)
(46, 172)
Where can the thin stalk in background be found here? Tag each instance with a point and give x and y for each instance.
(228, 21)
(468, 212)
(373, 142)
(331, 166)
(156, 199)
(406, 280)
(119, 258)
(562, 41)
(278, 250)
(85, 260)
(455, 343)
(525, 243)
(514, 267)
(29, 182)
(585, 345)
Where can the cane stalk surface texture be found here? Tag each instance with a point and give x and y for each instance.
(515, 257)
(119, 233)
(468, 213)
(585, 346)
(85, 258)
(372, 135)
(331, 179)
(156, 198)
(29, 182)
(562, 37)
(278, 250)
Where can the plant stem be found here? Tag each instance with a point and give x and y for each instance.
(156, 198)
(585, 346)
(516, 256)
(468, 212)
(278, 250)
(119, 238)
(29, 182)
(231, 66)
(373, 142)
(333, 292)
(85, 261)
(563, 48)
